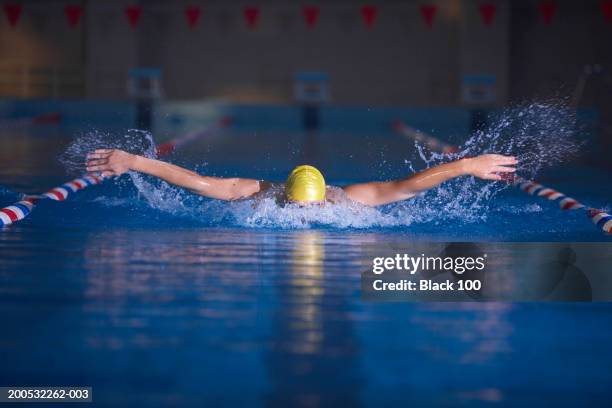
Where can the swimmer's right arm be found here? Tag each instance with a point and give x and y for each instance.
(114, 162)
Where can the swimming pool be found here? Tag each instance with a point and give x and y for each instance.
(159, 298)
(464, 209)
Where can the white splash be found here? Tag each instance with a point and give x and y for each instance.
(539, 135)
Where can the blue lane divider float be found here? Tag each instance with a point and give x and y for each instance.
(600, 218)
(21, 209)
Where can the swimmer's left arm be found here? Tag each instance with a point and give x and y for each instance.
(486, 167)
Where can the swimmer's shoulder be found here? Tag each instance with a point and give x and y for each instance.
(337, 195)
(265, 185)
(268, 189)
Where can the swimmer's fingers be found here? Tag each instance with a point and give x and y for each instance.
(504, 169)
(502, 160)
(97, 162)
(104, 151)
(97, 168)
(492, 176)
(97, 155)
(494, 173)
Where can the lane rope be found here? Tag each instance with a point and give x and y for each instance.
(22, 208)
(46, 119)
(171, 145)
(431, 142)
(600, 218)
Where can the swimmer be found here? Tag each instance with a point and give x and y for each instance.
(305, 184)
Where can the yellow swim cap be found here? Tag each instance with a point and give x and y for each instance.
(305, 184)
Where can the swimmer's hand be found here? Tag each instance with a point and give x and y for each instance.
(110, 162)
(488, 166)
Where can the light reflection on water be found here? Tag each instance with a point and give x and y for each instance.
(189, 317)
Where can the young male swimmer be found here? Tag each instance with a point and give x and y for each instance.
(305, 184)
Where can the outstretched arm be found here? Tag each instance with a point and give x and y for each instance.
(113, 162)
(377, 193)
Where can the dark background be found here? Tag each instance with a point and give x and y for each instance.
(399, 60)
(523, 50)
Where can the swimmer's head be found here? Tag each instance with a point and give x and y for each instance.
(305, 184)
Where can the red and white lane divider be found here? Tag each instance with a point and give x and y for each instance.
(533, 188)
(46, 119)
(431, 142)
(600, 218)
(171, 145)
(21, 209)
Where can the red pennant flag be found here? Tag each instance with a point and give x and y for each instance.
(251, 15)
(73, 14)
(548, 8)
(487, 12)
(12, 11)
(192, 14)
(368, 13)
(311, 15)
(428, 12)
(133, 15)
(606, 9)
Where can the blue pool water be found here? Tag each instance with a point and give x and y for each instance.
(158, 298)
